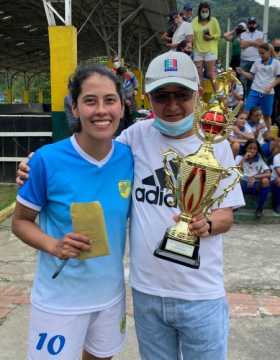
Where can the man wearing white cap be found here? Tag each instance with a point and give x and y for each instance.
(178, 310)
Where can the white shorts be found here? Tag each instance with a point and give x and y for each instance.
(198, 56)
(63, 337)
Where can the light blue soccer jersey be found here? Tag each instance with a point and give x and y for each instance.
(61, 174)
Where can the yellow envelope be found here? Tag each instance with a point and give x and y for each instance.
(88, 219)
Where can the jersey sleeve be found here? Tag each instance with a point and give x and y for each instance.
(253, 69)
(277, 68)
(264, 166)
(33, 194)
(239, 89)
(276, 161)
(248, 129)
(123, 137)
(238, 159)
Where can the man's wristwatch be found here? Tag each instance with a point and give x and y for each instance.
(209, 222)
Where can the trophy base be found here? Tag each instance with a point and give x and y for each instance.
(179, 252)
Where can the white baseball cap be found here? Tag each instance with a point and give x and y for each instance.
(243, 24)
(172, 67)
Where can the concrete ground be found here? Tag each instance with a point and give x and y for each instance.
(252, 279)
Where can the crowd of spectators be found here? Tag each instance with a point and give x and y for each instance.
(196, 36)
(255, 147)
(256, 63)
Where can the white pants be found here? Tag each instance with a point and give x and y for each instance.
(63, 337)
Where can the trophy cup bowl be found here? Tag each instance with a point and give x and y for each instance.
(198, 177)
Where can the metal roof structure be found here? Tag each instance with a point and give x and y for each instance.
(105, 28)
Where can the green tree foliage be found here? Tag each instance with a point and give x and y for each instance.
(20, 81)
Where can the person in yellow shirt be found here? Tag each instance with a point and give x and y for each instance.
(206, 34)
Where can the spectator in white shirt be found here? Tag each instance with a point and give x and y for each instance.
(187, 13)
(256, 174)
(168, 34)
(241, 132)
(236, 94)
(276, 105)
(183, 32)
(258, 126)
(249, 43)
(265, 74)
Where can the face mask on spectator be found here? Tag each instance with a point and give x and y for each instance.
(204, 14)
(176, 128)
(240, 29)
(252, 27)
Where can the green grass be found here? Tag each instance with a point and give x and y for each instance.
(7, 195)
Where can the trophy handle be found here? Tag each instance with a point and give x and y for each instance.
(199, 109)
(238, 174)
(230, 120)
(168, 174)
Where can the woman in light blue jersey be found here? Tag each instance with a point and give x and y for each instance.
(84, 307)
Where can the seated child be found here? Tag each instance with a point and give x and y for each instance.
(256, 174)
(236, 95)
(258, 126)
(241, 133)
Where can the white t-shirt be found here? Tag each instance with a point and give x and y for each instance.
(264, 74)
(262, 131)
(250, 53)
(246, 130)
(152, 214)
(183, 30)
(275, 165)
(252, 168)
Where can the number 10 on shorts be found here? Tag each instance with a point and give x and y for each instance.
(53, 344)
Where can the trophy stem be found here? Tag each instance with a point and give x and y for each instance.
(185, 218)
(207, 146)
(181, 231)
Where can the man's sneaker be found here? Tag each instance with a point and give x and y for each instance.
(277, 209)
(258, 214)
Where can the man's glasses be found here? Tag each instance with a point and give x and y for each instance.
(163, 97)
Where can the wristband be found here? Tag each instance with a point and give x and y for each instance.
(209, 222)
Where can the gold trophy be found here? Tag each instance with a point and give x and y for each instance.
(196, 181)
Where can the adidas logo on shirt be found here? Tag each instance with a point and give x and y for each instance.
(158, 194)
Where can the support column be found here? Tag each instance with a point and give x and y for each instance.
(265, 19)
(63, 61)
(25, 96)
(40, 96)
(139, 78)
(8, 96)
(8, 92)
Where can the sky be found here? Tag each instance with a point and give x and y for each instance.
(275, 3)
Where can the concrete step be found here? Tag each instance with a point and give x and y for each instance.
(251, 202)
(244, 215)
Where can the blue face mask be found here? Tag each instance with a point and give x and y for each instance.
(176, 128)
